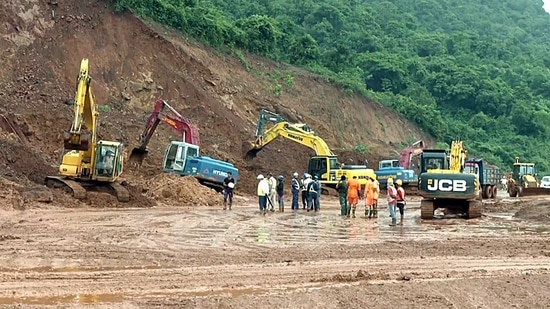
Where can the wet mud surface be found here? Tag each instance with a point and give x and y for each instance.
(205, 257)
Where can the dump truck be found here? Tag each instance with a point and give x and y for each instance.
(489, 176)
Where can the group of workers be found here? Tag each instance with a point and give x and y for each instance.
(271, 191)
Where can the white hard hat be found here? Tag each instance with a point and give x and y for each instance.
(260, 177)
(231, 185)
(295, 174)
(308, 176)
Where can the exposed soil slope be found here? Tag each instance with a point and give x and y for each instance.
(133, 63)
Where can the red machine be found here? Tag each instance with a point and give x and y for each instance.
(407, 155)
(189, 132)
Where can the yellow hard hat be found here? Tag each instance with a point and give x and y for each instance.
(399, 182)
(390, 180)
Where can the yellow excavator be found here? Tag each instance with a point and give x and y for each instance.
(88, 164)
(324, 164)
(444, 184)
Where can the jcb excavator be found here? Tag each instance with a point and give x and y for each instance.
(443, 183)
(524, 182)
(88, 164)
(324, 165)
(182, 157)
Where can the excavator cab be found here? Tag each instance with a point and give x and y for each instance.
(177, 154)
(108, 160)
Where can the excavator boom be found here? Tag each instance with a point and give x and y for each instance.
(82, 132)
(189, 132)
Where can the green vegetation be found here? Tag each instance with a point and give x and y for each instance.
(469, 69)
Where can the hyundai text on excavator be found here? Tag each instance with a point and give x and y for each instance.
(523, 181)
(404, 168)
(443, 183)
(88, 164)
(324, 164)
(182, 157)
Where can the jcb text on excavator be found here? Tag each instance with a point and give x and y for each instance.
(324, 164)
(88, 164)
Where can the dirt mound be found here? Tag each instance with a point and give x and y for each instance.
(20, 163)
(535, 211)
(181, 191)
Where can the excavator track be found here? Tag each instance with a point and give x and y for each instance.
(68, 185)
(80, 189)
(474, 209)
(426, 209)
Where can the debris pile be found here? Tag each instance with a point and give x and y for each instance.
(174, 190)
(535, 210)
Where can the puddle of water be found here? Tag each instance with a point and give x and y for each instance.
(63, 299)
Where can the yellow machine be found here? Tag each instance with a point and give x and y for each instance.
(524, 180)
(324, 164)
(443, 183)
(88, 164)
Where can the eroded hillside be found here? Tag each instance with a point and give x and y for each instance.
(133, 63)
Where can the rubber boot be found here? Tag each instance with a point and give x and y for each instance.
(353, 211)
(401, 220)
(371, 212)
(367, 213)
(230, 204)
(393, 222)
(224, 205)
(348, 211)
(281, 208)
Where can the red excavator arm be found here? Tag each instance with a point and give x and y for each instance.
(189, 132)
(408, 153)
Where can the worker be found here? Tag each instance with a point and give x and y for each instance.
(303, 186)
(263, 191)
(401, 202)
(272, 197)
(504, 183)
(228, 185)
(375, 196)
(313, 190)
(369, 196)
(354, 190)
(295, 183)
(342, 188)
(108, 161)
(280, 193)
(392, 200)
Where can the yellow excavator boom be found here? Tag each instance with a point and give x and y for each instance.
(292, 132)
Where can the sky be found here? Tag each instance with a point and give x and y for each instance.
(546, 5)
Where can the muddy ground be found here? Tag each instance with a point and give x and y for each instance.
(204, 257)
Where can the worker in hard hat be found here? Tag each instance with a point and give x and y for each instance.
(295, 184)
(306, 178)
(401, 202)
(313, 191)
(228, 185)
(272, 196)
(342, 188)
(354, 190)
(375, 196)
(391, 196)
(280, 193)
(369, 196)
(263, 191)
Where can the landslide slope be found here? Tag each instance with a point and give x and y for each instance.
(133, 63)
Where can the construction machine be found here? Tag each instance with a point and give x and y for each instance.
(182, 157)
(443, 183)
(404, 168)
(489, 176)
(86, 163)
(324, 164)
(524, 180)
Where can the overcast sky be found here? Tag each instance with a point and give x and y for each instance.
(546, 5)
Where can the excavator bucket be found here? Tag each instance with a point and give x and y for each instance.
(250, 150)
(138, 155)
(80, 142)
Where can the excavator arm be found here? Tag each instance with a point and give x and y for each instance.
(189, 132)
(458, 156)
(293, 132)
(82, 133)
(412, 151)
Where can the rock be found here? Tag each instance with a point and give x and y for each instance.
(125, 95)
(36, 194)
(136, 87)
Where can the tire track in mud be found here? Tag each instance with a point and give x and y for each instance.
(223, 280)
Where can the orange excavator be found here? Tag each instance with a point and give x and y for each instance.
(189, 132)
